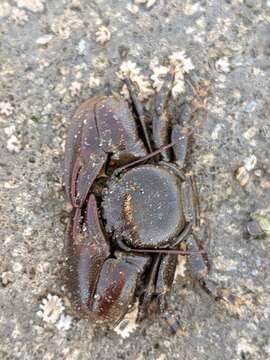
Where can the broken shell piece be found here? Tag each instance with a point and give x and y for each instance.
(50, 309)
(128, 324)
(242, 176)
(103, 35)
(149, 3)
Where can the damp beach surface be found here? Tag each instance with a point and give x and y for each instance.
(54, 55)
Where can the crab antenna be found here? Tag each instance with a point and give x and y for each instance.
(167, 251)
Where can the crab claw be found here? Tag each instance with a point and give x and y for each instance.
(101, 127)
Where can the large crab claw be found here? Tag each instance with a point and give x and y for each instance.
(102, 128)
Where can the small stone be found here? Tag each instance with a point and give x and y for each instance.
(242, 176)
(7, 278)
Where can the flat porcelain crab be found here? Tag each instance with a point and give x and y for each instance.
(132, 205)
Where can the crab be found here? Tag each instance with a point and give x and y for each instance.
(132, 207)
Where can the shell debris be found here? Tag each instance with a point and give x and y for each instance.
(50, 309)
(103, 35)
(6, 108)
(52, 312)
(128, 324)
(242, 176)
(180, 63)
(148, 3)
(129, 69)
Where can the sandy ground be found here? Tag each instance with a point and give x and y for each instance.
(50, 60)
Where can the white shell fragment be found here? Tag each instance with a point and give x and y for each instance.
(242, 176)
(128, 324)
(222, 65)
(148, 3)
(250, 162)
(6, 108)
(32, 5)
(179, 63)
(50, 309)
(129, 69)
(103, 35)
(64, 323)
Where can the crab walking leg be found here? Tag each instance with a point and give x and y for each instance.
(139, 110)
(85, 256)
(149, 291)
(161, 121)
(164, 280)
(118, 281)
(191, 203)
(199, 269)
(180, 137)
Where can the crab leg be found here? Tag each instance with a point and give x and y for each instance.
(199, 269)
(161, 122)
(140, 112)
(149, 291)
(180, 137)
(165, 279)
(100, 287)
(191, 203)
(118, 281)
